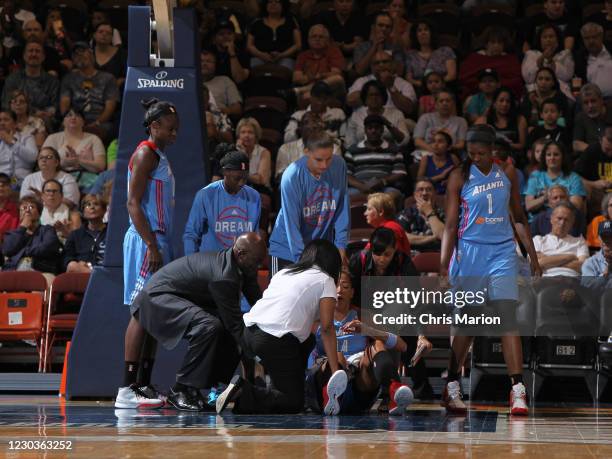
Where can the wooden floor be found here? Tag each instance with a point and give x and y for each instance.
(97, 429)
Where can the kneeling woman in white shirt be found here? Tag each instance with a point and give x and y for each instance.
(278, 333)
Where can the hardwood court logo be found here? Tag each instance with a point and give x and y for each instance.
(161, 81)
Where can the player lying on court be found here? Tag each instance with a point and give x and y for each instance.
(367, 355)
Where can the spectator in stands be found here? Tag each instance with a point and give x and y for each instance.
(540, 225)
(41, 87)
(548, 52)
(546, 87)
(248, 133)
(374, 97)
(108, 57)
(592, 237)
(555, 168)
(423, 220)
(49, 168)
(57, 214)
(33, 31)
(82, 154)
(560, 254)
(597, 265)
(274, 38)
(380, 213)
(593, 62)
(17, 152)
(554, 13)
(476, 105)
(13, 21)
(86, 246)
(379, 42)
(27, 124)
(346, 26)
(591, 121)
(323, 61)
(400, 33)
(320, 98)
(90, 91)
(604, 19)
(374, 164)
(595, 167)
(504, 117)
(232, 60)
(31, 246)
(9, 215)
(550, 129)
(289, 152)
(218, 125)
(400, 93)
(495, 55)
(57, 38)
(97, 17)
(433, 83)
(442, 119)
(224, 90)
(427, 55)
(534, 153)
(440, 163)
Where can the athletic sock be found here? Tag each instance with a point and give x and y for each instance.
(453, 376)
(130, 373)
(144, 372)
(517, 378)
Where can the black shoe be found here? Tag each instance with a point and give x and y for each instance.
(229, 394)
(187, 400)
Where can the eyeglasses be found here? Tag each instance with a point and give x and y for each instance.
(26, 207)
(51, 191)
(46, 157)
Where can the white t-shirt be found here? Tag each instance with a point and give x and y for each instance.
(290, 304)
(552, 245)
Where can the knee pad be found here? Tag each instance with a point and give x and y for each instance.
(384, 368)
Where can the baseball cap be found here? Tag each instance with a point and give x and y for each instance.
(224, 24)
(235, 161)
(488, 72)
(605, 228)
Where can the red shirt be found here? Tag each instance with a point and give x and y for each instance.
(312, 65)
(402, 243)
(9, 218)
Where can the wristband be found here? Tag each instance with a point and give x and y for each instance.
(391, 341)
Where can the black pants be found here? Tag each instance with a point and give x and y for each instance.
(212, 355)
(276, 264)
(418, 373)
(285, 360)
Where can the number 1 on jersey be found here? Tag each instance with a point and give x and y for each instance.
(490, 199)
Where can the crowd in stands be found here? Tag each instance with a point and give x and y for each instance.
(395, 83)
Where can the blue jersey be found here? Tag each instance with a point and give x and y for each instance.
(348, 343)
(158, 199)
(311, 209)
(217, 218)
(484, 215)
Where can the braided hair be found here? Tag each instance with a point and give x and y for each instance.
(156, 109)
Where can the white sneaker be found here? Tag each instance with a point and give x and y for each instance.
(334, 389)
(401, 397)
(518, 400)
(452, 399)
(132, 397)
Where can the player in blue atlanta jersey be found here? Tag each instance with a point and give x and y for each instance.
(478, 242)
(146, 245)
(314, 205)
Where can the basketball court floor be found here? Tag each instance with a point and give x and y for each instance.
(94, 429)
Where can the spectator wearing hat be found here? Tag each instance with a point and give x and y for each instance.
(224, 91)
(9, 215)
(321, 95)
(375, 164)
(477, 104)
(374, 97)
(90, 91)
(231, 59)
(597, 265)
(323, 61)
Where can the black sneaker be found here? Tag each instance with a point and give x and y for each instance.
(229, 394)
(186, 400)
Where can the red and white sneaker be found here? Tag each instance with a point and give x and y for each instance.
(332, 392)
(518, 400)
(452, 399)
(400, 397)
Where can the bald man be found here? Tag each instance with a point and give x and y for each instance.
(197, 298)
